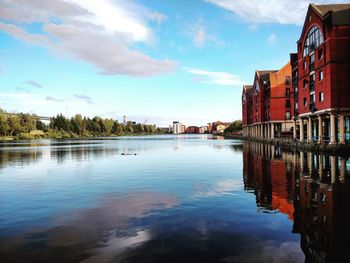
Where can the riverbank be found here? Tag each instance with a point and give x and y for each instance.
(288, 144)
(54, 134)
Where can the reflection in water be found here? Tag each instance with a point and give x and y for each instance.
(312, 189)
(180, 199)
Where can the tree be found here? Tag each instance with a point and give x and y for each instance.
(14, 124)
(234, 127)
(3, 124)
(40, 125)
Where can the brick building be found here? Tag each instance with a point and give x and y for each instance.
(267, 106)
(309, 98)
(324, 75)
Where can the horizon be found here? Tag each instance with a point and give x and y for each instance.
(153, 62)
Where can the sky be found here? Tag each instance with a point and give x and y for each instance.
(154, 61)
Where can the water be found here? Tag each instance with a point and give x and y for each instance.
(170, 199)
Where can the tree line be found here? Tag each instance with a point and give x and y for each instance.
(235, 126)
(25, 125)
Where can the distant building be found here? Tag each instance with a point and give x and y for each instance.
(210, 128)
(182, 128)
(203, 129)
(176, 127)
(193, 129)
(218, 127)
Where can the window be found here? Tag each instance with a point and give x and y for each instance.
(312, 78)
(304, 64)
(288, 105)
(296, 106)
(313, 39)
(305, 101)
(287, 92)
(304, 83)
(287, 115)
(320, 54)
(321, 96)
(312, 98)
(287, 80)
(312, 58)
(320, 75)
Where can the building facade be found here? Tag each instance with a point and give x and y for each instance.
(267, 106)
(324, 75)
(309, 98)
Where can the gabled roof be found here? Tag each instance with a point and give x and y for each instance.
(247, 88)
(340, 12)
(264, 72)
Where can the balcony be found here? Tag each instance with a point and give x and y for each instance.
(312, 86)
(311, 66)
(312, 107)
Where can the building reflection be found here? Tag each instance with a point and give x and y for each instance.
(313, 190)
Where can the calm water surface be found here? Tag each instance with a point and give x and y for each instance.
(170, 199)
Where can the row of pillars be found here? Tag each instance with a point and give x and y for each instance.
(265, 130)
(309, 137)
(335, 163)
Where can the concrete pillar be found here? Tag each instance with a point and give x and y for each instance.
(341, 129)
(309, 130)
(342, 169)
(272, 131)
(320, 165)
(268, 131)
(320, 129)
(333, 169)
(309, 162)
(301, 130)
(332, 122)
(294, 129)
(301, 162)
(260, 130)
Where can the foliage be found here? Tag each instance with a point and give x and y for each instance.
(28, 126)
(234, 127)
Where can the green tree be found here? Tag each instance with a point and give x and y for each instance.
(40, 125)
(3, 124)
(14, 125)
(234, 127)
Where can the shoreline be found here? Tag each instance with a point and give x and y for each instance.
(73, 137)
(290, 145)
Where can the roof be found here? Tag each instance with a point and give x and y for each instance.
(247, 87)
(264, 72)
(340, 12)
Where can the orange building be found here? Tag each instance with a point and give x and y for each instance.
(267, 105)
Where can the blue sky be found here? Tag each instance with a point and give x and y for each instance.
(154, 61)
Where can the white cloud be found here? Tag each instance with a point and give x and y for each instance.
(98, 32)
(157, 17)
(34, 84)
(215, 77)
(221, 188)
(85, 98)
(114, 17)
(50, 98)
(200, 36)
(272, 40)
(269, 11)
